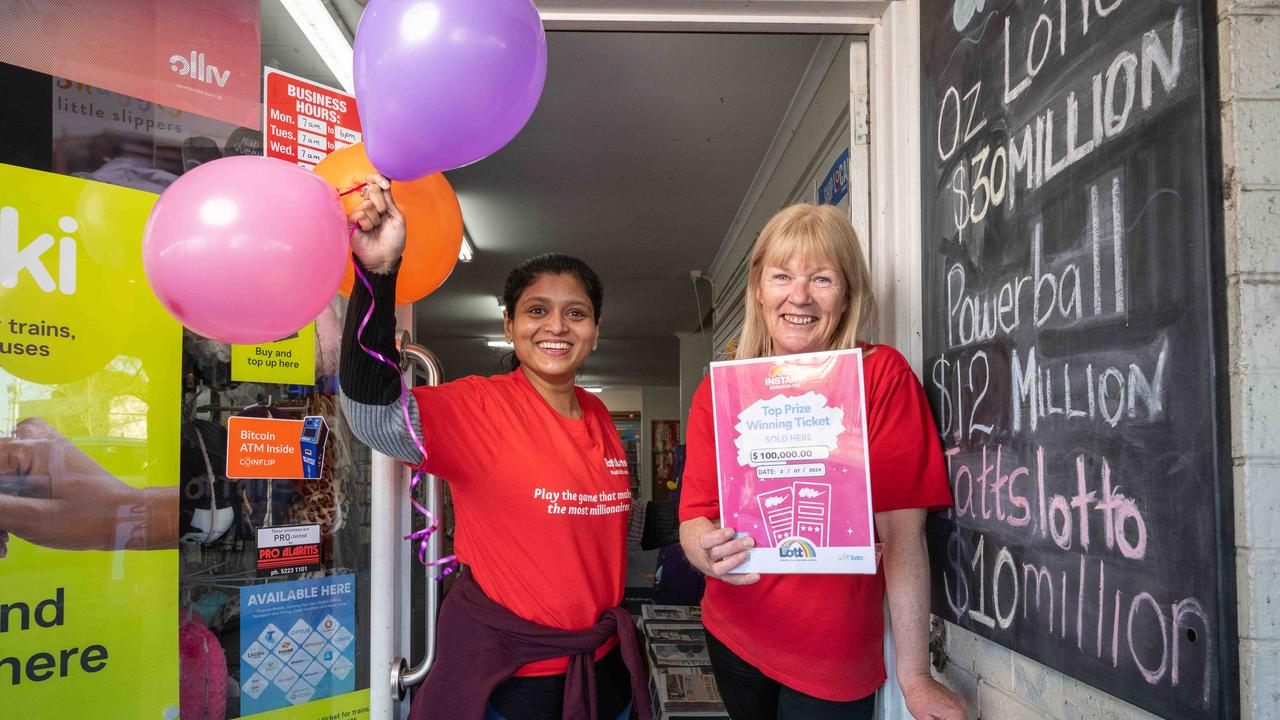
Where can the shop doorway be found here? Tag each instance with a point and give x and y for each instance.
(880, 170)
(352, 526)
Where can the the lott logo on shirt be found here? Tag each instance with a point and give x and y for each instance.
(617, 466)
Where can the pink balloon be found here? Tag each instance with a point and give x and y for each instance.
(246, 249)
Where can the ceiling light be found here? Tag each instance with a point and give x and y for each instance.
(322, 31)
(499, 344)
(594, 389)
(468, 249)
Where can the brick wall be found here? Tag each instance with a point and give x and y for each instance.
(1249, 50)
(1000, 684)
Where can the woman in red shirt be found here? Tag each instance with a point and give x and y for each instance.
(810, 646)
(540, 485)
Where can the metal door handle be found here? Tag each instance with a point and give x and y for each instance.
(404, 676)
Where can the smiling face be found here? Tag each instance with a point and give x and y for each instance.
(802, 301)
(553, 327)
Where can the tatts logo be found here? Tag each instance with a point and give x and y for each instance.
(796, 549)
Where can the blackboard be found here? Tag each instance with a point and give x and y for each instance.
(1072, 354)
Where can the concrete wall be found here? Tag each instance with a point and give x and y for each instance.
(1002, 684)
(1249, 49)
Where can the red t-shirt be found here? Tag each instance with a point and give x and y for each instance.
(541, 501)
(822, 634)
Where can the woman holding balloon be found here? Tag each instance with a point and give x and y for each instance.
(531, 630)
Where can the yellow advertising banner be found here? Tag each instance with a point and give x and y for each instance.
(90, 370)
(291, 361)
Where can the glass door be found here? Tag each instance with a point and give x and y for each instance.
(273, 572)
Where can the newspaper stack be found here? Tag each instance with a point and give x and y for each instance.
(681, 681)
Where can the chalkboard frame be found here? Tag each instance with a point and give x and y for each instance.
(1220, 336)
(1216, 337)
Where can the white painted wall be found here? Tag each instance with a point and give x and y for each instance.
(621, 399)
(694, 361)
(814, 132)
(657, 403)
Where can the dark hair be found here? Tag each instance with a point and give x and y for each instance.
(527, 272)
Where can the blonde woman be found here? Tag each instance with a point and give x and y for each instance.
(810, 646)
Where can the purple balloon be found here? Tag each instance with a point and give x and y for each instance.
(443, 83)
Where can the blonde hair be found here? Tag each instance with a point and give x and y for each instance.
(816, 232)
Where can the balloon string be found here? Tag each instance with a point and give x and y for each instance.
(348, 191)
(421, 537)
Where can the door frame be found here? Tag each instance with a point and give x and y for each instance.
(892, 28)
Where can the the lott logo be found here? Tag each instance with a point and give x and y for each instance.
(13, 259)
(196, 68)
(796, 549)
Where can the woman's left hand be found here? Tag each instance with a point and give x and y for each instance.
(928, 699)
(716, 551)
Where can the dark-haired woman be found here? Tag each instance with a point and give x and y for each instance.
(531, 629)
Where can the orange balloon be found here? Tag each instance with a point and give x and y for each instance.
(433, 222)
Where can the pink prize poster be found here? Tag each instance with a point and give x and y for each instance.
(791, 450)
